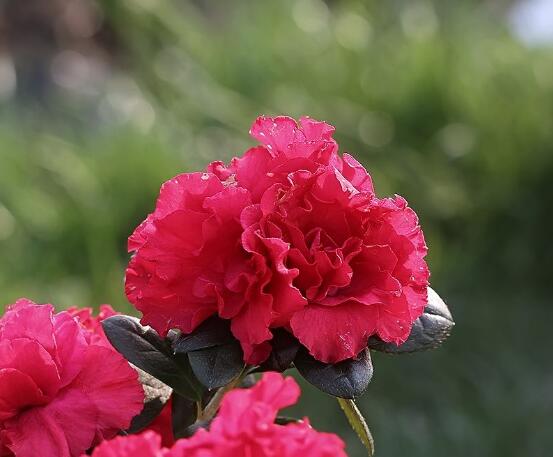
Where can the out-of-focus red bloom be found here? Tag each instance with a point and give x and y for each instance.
(93, 324)
(60, 391)
(162, 424)
(147, 444)
(244, 427)
(289, 235)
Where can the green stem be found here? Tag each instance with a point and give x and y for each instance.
(358, 424)
(199, 412)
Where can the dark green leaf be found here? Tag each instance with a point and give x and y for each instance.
(143, 347)
(429, 331)
(217, 366)
(346, 379)
(156, 395)
(183, 415)
(213, 332)
(284, 350)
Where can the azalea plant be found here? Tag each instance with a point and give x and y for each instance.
(284, 258)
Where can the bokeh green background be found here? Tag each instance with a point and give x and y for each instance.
(444, 104)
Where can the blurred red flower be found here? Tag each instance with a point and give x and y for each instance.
(60, 390)
(244, 427)
(86, 318)
(290, 235)
(147, 444)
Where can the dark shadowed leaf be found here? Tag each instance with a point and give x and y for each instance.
(284, 350)
(218, 365)
(156, 395)
(183, 415)
(429, 331)
(213, 332)
(346, 379)
(143, 347)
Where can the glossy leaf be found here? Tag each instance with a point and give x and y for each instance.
(143, 347)
(218, 365)
(346, 379)
(183, 415)
(213, 332)
(429, 331)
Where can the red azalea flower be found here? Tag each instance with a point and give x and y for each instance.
(162, 424)
(244, 427)
(85, 317)
(289, 235)
(60, 391)
(147, 444)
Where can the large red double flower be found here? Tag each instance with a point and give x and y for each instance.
(290, 235)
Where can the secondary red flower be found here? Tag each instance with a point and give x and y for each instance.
(147, 444)
(60, 392)
(85, 317)
(290, 235)
(244, 427)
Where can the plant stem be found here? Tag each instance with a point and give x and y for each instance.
(358, 423)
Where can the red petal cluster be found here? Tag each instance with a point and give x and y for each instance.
(244, 427)
(289, 235)
(61, 391)
(85, 317)
(147, 444)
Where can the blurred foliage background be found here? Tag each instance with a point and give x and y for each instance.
(449, 104)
